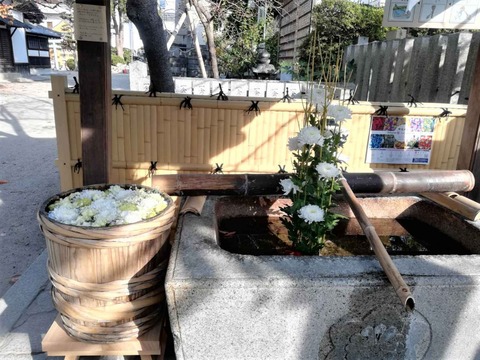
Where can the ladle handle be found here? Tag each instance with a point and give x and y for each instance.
(401, 288)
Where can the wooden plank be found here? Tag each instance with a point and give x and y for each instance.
(59, 83)
(140, 135)
(207, 142)
(128, 134)
(174, 144)
(470, 144)
(469, 69)
(201, 143)
(58, 343)
(456, 143)
(115, 112)
(95, 83)
(154, 134)
(227, 142)
(133, 132)
(187, 133)
(192, 151)
(378, 60)
(180, 136)
(213, 130)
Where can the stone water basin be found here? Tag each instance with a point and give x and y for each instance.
(224, 305)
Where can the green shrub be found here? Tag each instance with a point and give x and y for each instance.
(70, 64)
(127, 55)
(117, 60)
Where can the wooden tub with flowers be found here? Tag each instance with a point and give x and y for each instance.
(107, 258)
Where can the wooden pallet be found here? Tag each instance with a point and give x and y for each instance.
(58, 343)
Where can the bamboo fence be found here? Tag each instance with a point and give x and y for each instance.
(146, 130)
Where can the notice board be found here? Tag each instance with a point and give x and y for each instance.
(443, 14)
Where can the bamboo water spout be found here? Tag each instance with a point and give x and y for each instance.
(382, 182)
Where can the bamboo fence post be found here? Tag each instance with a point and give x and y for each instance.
(59, 83)
(401, 288)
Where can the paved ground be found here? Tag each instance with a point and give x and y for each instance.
(28, 177)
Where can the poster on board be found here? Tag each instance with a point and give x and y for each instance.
(444, 14)
(400, 140)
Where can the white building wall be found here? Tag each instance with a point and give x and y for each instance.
(19, 41)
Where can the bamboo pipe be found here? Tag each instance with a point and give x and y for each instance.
(401, 288)
(269, 184)
(456, 203)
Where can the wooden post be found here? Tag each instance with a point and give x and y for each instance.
(470, 145)
(95, 102)
(59, 83)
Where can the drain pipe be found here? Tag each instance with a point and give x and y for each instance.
(401, 288)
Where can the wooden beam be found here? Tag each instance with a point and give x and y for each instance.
(469, 157)
(95, 102)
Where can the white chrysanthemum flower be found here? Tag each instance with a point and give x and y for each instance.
(130, 217)
(310, 135)
(64, 214)
(125, 194)
(318, 97)
(90, 194)
(339, 113)
(114, 206)
(293, 144)
(288, 186)
(327, 170)
(106, 211)
(311, 213)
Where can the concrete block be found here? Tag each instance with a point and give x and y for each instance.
(239, 87)
(257, 88)
(230, 306)
(202, 87)
(275, 89)
(183, 86)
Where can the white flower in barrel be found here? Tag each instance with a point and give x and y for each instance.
(113, 206)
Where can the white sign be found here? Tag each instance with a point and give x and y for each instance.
(442, 14)
(400, 140)
(90, 23)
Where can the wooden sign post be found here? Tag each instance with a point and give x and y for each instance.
(92, 32)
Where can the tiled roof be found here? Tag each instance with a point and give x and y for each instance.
(14, 23)
(42, 30)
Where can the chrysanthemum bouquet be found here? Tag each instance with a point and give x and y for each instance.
(317, 160)
(115, 205)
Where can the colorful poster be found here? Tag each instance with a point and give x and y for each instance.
(400, 140)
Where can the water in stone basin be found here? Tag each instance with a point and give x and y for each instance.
(259, 235)
(408, 225)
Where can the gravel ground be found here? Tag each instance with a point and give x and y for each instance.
(27, 173)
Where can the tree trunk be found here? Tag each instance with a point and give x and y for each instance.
(119, 41)
(212, 50)
(144, 14)
(207, 21)
(119, 32)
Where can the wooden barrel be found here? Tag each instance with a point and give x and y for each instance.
(108, 282)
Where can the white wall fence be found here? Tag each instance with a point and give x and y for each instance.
(140, 81)
(435, 69)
